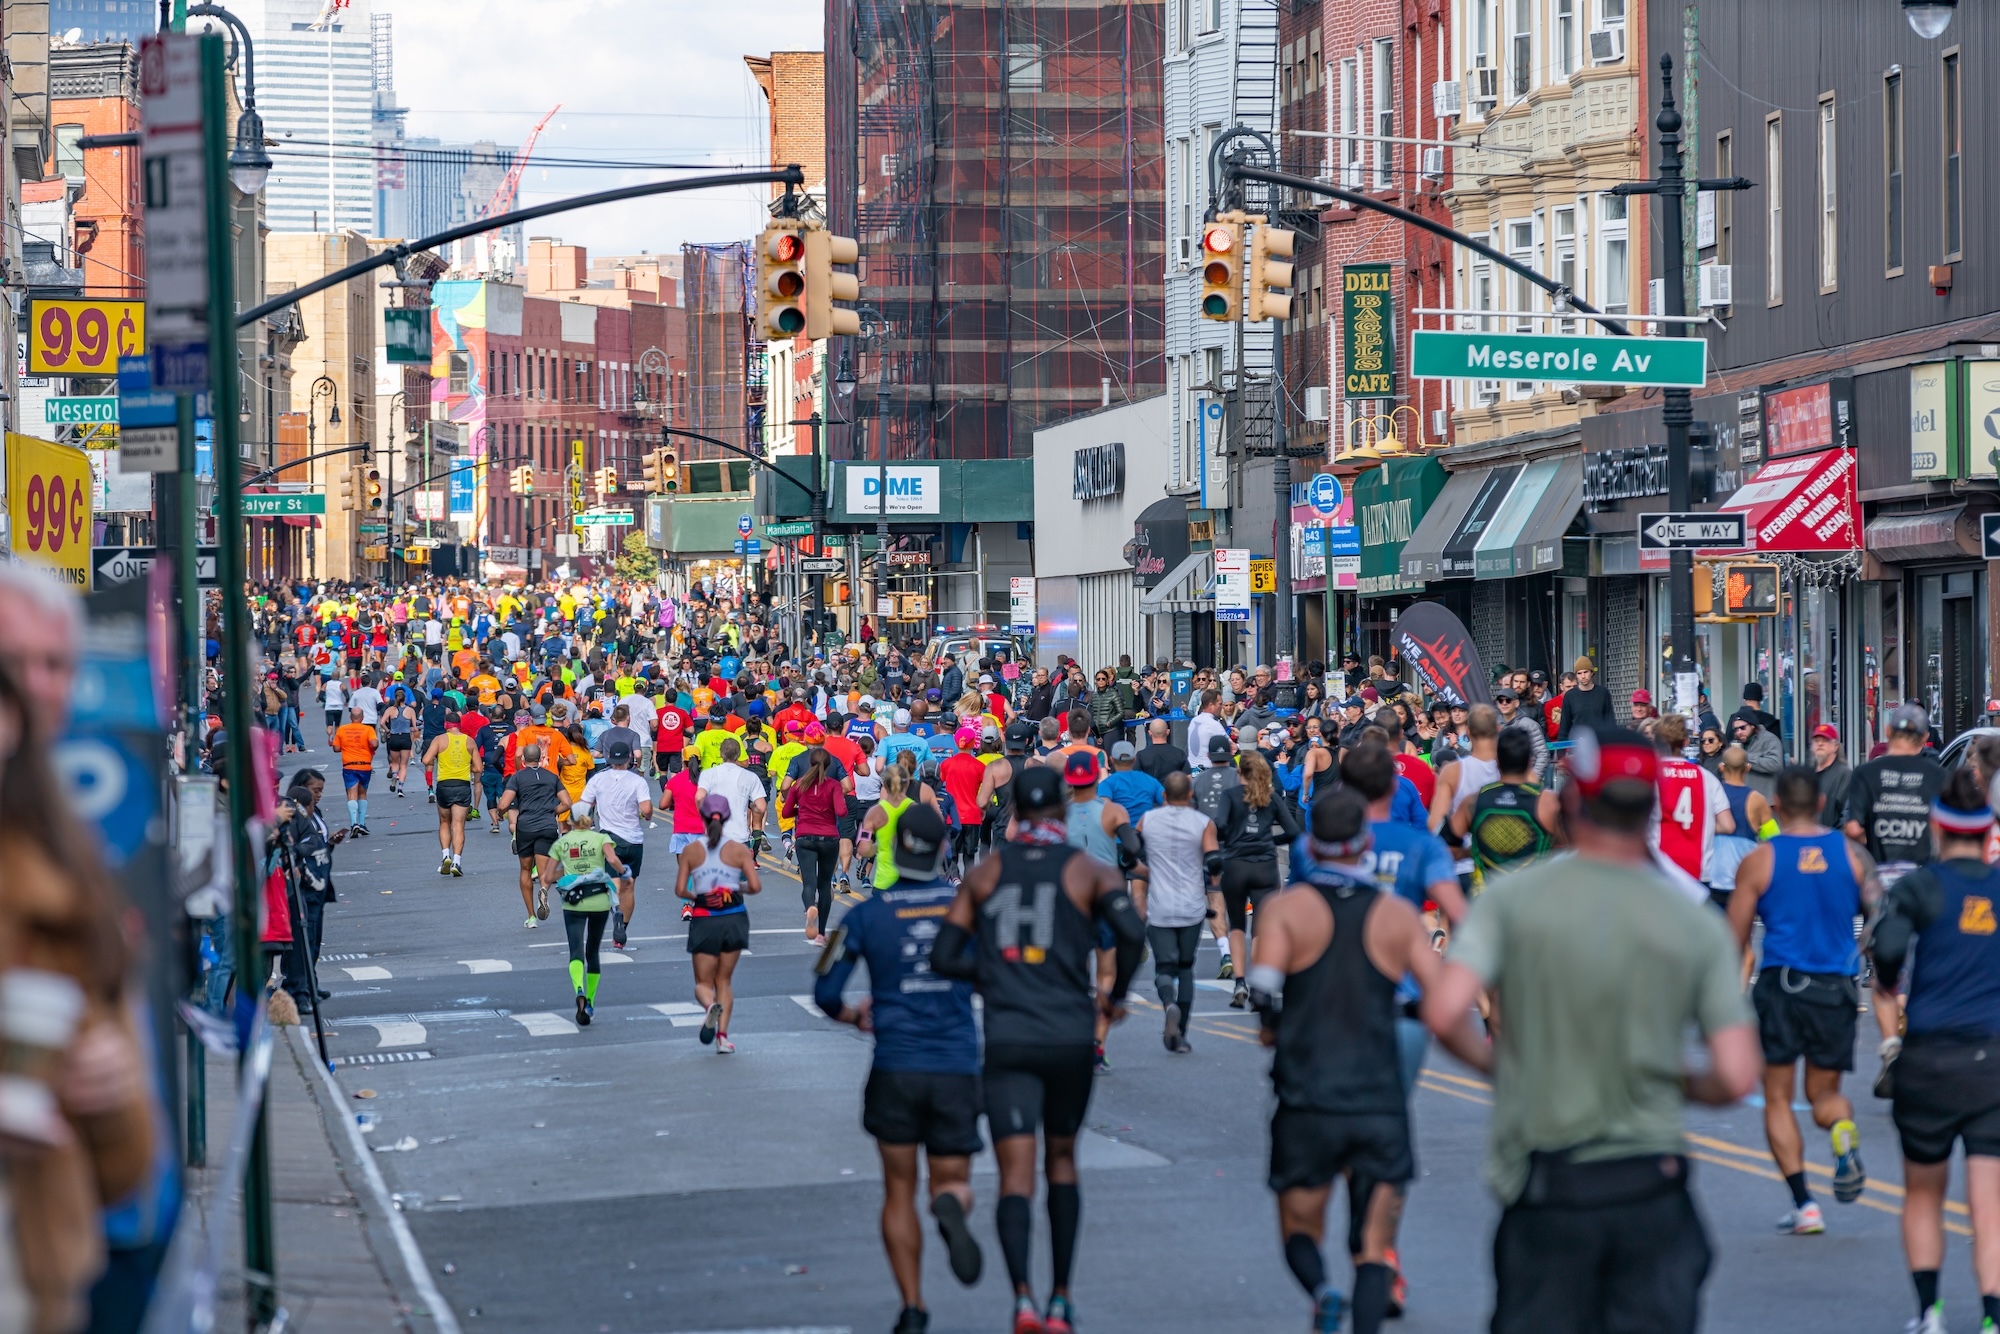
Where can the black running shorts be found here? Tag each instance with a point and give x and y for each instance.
(454, 792)
(727, 934)
(1805, 1016)
(1030, 1087)
(399, 741)
(633, 855)
(532, 845)
(1310, 1148)
(1245, 883)
(1945, 1092)
(938, 1111)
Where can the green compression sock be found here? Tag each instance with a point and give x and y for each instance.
(590, 987)
(576, 975)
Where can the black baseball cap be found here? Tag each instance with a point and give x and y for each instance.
(921, 838)
(619, 752)
(1020, 733)
(1039, 788)
(1219, 748)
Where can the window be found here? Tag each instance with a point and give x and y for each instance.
(1774, 209)
(1892, 173)
(461, 372)
(1385, 112)
(1350, 124)
(1615, 291)
(69, 152)
(1521, 249)
(1183, 23)
(1725, 200)
(1211, 15)
(1564, 220)
(1565, 37)
(1484, 391)
(1829, 216)
(1184, 183)
(1610, 13)
(1521, 56)
(1954, 180)
(1024, 67)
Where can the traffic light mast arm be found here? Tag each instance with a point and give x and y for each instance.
(266, 474)
(1233, 172)
(737, 450)
(490, 462)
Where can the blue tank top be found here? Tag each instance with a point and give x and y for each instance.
(1086, 830)
(1739, 808)
(1810, 906)
(1955, 989)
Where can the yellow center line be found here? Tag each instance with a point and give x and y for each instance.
(1450, 1092)
(1886, 1187)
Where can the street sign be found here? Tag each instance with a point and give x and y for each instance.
(174, 169)
(909, 558)
(406, 334)
(1338, 540)
(1989, 535)
(803, 528)
(1232, 584)
(115, 565)
(604, 519)
(264, 507)
(149, 449)
(1324, 492)
(749, 546)
(1677, 363)
(1666, 532)
(744, 524)
(821, 565)
(88, 410)
(1021, 603)
(367, 529)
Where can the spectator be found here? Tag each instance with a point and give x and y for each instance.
(1832, 772)
(1753, 702)
(1584, 704)
(1161, 756)
(1764, 752)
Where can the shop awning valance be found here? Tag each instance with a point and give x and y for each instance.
(1804, 504)
(1188, 587)
(1525, 536)
(1949, 533)
(1423, 554)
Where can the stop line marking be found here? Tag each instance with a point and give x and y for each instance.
(368, 973)
(394, 1032)
(681, 1013)
(487, 965)
(545, 1024)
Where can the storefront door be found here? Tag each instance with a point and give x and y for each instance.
(1951, 648)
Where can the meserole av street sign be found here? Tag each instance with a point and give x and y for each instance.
(1679, 363)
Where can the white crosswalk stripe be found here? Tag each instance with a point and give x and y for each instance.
(682, 1014)
(396, 1032)
(368, 973)
(487, 965)
(546, 1024)
(809, 1005)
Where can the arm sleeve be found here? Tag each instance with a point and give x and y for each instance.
(952, 955)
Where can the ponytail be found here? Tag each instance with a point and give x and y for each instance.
(895, 782)
(714, 823)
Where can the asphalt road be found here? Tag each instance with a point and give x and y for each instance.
(625, 1178)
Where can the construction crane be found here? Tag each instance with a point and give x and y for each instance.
(503, 198)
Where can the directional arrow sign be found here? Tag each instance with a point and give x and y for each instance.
(1989, 535)
(115, 565)
(1664, 532)
(821, 565)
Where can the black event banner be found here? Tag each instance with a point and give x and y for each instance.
(1435, 642)
(1367, 332)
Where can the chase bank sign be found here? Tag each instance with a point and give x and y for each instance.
(912, 490)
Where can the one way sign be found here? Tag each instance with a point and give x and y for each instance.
(1664, 532)
(115, 565)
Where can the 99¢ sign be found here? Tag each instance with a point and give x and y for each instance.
(48, 506)
(84, 337)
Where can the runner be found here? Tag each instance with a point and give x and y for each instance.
(1183, 857)
(1945, 1086)
(1218, 794)
(817, 801)
(1808, 884)
(1027, 913)
(878, 826)
(713, 874)
(1692, 807)
(923, 1086)
(355, 740)
(1889, 799)
(586, 858)
(1250, 852)
(398, 719)
(538, 800)
(619, 801)
(1104, 830)
(1510, 821)
(456, 762)
(1324, 976)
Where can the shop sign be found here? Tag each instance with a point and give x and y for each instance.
(1982, 418)
(1809, 417)
(1367, 332)
(1159, 541)
(1232, 584)
(1932, 418)
(1750, 426)
(1263, 577)
(1389, 502)
(1612, 475)
(911, 490)
(1098, 472)
(49, 491)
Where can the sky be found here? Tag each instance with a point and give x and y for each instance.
(639, 82)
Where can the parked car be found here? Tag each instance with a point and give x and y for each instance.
(979, 641)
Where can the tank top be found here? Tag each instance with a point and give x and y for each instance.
(867, 783)
(1955, 990)
(1036, 953)
(885, 839)
(1739, 808)
(455, 760)
(1686, 823)
(859, 727)
(1001, 804)
(1086, 830)
(712, 875)
(1504, 832)
(1337, 1032)
(1810, 905)
(399, 722)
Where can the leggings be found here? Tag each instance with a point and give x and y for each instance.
(819, 855)
(1173, 964)
(586, 933)
(1243, 883)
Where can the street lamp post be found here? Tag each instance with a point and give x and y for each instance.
(323, 387)
(844, 385)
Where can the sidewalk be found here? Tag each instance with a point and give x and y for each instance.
(339, 1266)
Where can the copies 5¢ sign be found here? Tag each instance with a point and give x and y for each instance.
(83, 337)
(49, 490)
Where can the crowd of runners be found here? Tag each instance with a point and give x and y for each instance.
(1556, 889)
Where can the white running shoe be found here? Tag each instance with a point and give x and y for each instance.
(723, 1046)
(530, 923)
(1930, 1322)
(1804, 1221)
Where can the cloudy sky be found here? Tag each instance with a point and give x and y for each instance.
(639, 81)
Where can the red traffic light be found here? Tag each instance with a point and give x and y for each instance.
(787, 247)
(1218, 238)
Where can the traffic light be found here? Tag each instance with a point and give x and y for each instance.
(607, 481)
(371, 489)
(649, 471)
(1704, 589)
(670, 471)
(781, 280)
(521, 481)
(824, 286)
(348, 490)
(1222, 266)
(1270, 268)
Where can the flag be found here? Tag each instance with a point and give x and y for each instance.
(328, 11)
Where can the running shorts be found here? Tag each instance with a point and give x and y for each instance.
(1945, 1092)
(357, 778)
(399, 741)
(533, 845)
(332, 719)
(1245, 883)
(1807, 1016)
(1310, 1148)
(727, 934)
(1029, 1087)
(454, 792)
(492, 782)
(633, 855)
(675, 842)
(938, 1111)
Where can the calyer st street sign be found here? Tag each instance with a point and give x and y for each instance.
(1672, 363)
(1698, 532)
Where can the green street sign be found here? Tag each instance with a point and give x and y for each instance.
(406, 335)
(263, 507)
(603, 519)
(95, 410)
(367, 529)
(1675, 363)
(803, 528)
(834, 541)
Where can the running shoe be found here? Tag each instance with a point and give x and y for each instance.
(710, 1023)
(618, 929)
(1240, 997)
(1227, 971)
(444, 864)
(1026, 1319)
(582, 1011)
(1327, 1312)
(914, 1320)
(1850, 1178)
(959, 1243)
(541, 903)
(1099, 1065)
(430, 797)
(1060, 1319)
(1170, 1034)
(1804, 1221)
(1399, 1287)
(530, 923)
(457, 867)
(723, 1046)
(1932, 1322)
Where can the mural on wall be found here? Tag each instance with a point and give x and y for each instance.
(458, 375)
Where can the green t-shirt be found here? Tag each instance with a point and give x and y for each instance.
(581, 852)
(1600, 968)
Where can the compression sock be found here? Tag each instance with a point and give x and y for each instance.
(590, 986)
(1989, 1305)
(576, 974)
(353, 812)
(1371, 1297)
(1012, 1222)
(1926, 1281)
(1307, 1265)
(1801, 1197)
(363, 804)
(1222, 943)
(1065, 1212)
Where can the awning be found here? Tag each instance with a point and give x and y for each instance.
(1940, 534)
(1390, 502)
(1424, 552)
(1803, 504)
(1494, 556)
(1188, 587)
(1539, 548)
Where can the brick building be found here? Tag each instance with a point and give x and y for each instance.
(95, 90)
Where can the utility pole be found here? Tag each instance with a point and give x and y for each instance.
(1281, 489)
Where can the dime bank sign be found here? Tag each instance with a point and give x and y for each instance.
(911, 490)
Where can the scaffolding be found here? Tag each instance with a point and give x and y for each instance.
(725, 367)
(1007, 176)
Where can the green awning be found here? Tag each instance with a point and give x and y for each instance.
(1493, 558)
(1390, 502)
(1423, 554)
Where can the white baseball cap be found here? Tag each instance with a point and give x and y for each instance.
(902, 717)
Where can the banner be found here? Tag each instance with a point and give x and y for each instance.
(48, 506)
(1435, 642)
(1232, 584)
(1367, 332)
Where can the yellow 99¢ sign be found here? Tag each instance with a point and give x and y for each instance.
(83, 337)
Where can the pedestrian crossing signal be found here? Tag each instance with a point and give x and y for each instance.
(1270, 268)
(1750, 590)
(824, 286)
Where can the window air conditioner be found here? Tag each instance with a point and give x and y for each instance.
(1607, 46)
(1489, 85)
(1488, 392)
(1354, 176)
(1714, 286)
(1316, 396)
(1439, 420)
(1447, 98)
(1433, 164)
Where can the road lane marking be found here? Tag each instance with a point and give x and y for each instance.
(545, 1024)
(1886, 1187)
(367, 973)
(396, 1032)
(810, 1006)
(487, 965)
(681, 1014)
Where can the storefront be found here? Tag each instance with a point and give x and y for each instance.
(1391, 501)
